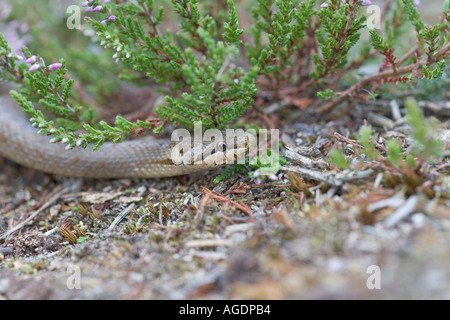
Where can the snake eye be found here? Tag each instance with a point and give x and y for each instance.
(222, 146)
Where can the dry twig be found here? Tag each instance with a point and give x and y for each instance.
(216, 196)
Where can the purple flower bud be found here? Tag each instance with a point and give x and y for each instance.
(112, 18)
(104, 22)
(273, 177)
(54, 66)
(417, 3)
(98, 8)
(34, 67)
(64, 140)
(31, 59)
(79, 142)
(366, 2)
(324, 5)
(106, 1)
(89, 9)
(85, 4)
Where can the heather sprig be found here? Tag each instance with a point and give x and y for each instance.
(43, 25)
(407, 67)
(338, 33)
(197, 61)
(279, 32)
(47, 86)
(414, 15)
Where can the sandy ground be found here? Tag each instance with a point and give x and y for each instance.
(176, 245)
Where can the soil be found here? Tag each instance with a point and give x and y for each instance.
(303, 239)
(178, 243)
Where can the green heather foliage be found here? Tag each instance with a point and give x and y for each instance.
(338, 159)
(424, 132)
(208, 64)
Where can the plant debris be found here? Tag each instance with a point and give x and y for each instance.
(312, 233)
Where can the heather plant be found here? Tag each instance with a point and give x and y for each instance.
(210, 69)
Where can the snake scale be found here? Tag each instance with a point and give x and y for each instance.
(146, 157)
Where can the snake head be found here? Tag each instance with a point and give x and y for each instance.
(215, 150)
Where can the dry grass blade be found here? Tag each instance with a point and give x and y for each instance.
(216, 196)
(67, 234)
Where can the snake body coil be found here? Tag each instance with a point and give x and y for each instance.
(141, 158)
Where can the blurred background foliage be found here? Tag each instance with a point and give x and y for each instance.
(41, 25)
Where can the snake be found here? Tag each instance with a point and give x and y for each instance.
(145, 157)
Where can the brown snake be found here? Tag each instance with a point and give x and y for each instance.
(146, 157)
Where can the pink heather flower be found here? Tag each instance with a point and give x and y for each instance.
(98, 8)
(417, 3)
(112, 18)
(366, 2)
(273, 177)
(34, 67)
(89, 9)
(31, 59)
(324, 5)
(79, 142)
(85, 4)
(54, 66)
(104, 22)
(106, 1)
